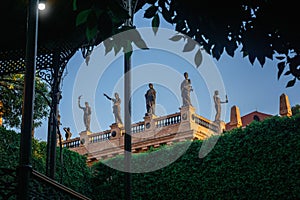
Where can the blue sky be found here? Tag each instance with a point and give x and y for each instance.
(250, 87)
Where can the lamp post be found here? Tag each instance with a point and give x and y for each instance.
(25, 167)
(127, 110)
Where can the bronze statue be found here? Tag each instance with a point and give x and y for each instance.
(150, 97)
(86, 114)
(68, 134)
(116, 107)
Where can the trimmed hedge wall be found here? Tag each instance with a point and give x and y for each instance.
(261, 161)
(74, 173)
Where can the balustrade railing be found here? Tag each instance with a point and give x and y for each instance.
(168, 120)
(98, 137)
(205, 123)
(75, 142)
(138, 127)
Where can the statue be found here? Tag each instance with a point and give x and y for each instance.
(116, 107)
(150, 97)
(218, 103)
(68, 134)
(86, 114)
(186, 88)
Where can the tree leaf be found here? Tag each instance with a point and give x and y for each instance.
(150, 12)
(119, 13)
(167, 15)
(141, 44)
(134, 35)
(117, 48)
(176, 38)
(155, 23)
(216, 52)
(74, 5)
(261, 60)
(180, 25)
(106, 25)
(251, 58)
(287, 73)
(92, 19)
(82, 17)
(280, 67)
(189, 46)
(230, 48)
(198, 58)
(108, 44)
(291, 83)
(116, 43)
(91, 33)
(280, 57)
(151, 1)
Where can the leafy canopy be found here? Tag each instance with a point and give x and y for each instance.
(260, 28)
(11, 93)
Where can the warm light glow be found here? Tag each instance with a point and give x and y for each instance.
(42, 6)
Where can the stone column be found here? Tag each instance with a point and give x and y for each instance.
(235, 117)
(84, 137)
(221, 126)
(117, 130)
(150, 128)
(149, 122)
(187, 122)
(285, 107)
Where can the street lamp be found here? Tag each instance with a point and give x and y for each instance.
(127, 120)
(25, 167)
(42, 6)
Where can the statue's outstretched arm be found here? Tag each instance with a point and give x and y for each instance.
(106, 96)
(79, 102)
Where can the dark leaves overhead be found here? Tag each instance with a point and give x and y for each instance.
(151, 11)
(155, 23)
(281, 67)
(259, 27)
(262, 29)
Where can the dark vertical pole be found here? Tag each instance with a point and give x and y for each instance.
(52, 130)
(55, 101)
(127, 94)
(127, 145)
(28, 101)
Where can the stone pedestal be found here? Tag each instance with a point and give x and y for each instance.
(221, 126)
(186, 113)
(84, 139)
(117, 130)
(149, 122)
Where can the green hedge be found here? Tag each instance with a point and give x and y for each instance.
(74, 173)
(261, 161)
